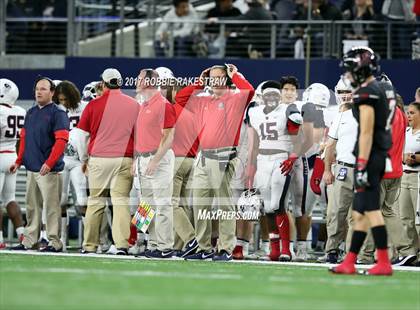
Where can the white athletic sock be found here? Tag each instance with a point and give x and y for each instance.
(245, 247)
(44, 235)
(301, 245)
(1, 236)
(320, 244)
(20, 231)
(64, 229)
(265, 246)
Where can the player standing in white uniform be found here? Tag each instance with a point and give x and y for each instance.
(68, 96)
(12, 118)
(274, 124)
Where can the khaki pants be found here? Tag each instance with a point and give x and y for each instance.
(396, 236)
(156, 190)
(209, 182)
(43, 192)
(340, 200)
(183, 227)
(108, 176)
(409, 202)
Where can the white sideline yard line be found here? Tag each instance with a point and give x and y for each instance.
(128, 257)
(129, 273)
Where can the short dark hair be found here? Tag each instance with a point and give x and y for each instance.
(40, 78)
(416, 105)
(290, 79)
(71, 92)
(178, 2)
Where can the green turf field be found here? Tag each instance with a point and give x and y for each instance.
(51, 282)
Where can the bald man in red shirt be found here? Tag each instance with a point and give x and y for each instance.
(155, 159)
(218, 114)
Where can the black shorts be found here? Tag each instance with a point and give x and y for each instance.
(369, 199)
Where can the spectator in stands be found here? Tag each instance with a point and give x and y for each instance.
(361, 10)
(182, 31)
(252, 40)
(216, 42)
(43, 139)
(321, 10)
(417, 95)
(285, 10)
(400, 10)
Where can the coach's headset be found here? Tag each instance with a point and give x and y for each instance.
(225, 68)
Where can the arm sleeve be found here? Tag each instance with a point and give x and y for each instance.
(170, 116)
(247, 120)
(242, 84)
(22, 135)
(79, 141)
(61, 138)
(185, 94)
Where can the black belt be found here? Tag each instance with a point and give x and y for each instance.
(218, 156)
(270, 152)
(342, 163)
(147, 154)
(410, 171)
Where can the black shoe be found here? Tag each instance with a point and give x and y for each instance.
(200, 255)
(160, 254)
(51, 249)
(42, 244)
(121, 251)
(332, 257)
(190, 248)
(222, 256)
(178, 253)
(19, 247)
(408, 260)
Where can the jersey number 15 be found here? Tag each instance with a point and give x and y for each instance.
(268, 131)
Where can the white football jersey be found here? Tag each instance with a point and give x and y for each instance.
(74, 118)
(271, 127)
(74, 115)
(12, 119)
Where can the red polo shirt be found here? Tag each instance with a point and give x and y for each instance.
(154, 115)
(186, 136)
(399, 124)
(110, 120)
(218, 120)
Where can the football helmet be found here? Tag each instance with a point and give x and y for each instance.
(318, 94)
(164, 73)
(89, 91)
(361, 62)
(258, 94)
(56, 82)
(9, 92)
(384, 79)
(250, 204)
(343, 91)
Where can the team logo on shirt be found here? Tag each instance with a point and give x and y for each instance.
(221, 106)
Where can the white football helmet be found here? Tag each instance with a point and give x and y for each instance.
(9, 92)
(343, 91)
(89, 91)
(258, 94)
(164, 73)
(56, 82)
(318, 94)
(250, 204)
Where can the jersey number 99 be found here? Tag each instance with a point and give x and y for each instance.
(15, 123)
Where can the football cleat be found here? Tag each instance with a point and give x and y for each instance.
(160, 254)
(343, 269)
(285, 257)
(2, 245)
(190, 248)
(238, 253)
(378, 270)
(51, 249)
